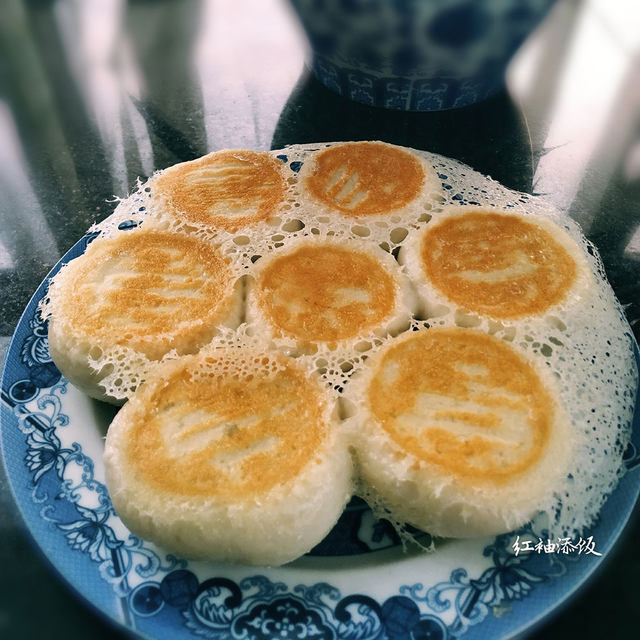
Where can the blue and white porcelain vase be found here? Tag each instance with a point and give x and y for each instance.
(416, 55)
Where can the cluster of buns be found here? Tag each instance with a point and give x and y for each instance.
(294, 326)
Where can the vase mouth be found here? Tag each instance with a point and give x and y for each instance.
(405, 93)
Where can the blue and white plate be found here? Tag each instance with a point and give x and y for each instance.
(358, 584)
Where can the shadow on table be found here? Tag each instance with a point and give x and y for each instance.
(490, 136)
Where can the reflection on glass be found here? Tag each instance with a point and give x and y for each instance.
(162, 36)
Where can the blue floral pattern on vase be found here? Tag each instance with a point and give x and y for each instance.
(417, 55)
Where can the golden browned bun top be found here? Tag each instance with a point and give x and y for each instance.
(365, 178)
(497, 264)
(324, 292)
(146, 289)
(228, 429)
(463, 401)
(226, 190)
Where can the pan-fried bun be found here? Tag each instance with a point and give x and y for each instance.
(133, 298)
(368, 180)
(233, 454)
(329, 292)
(364, 178)
(458, 433)
(227, 190)
(499, 264)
